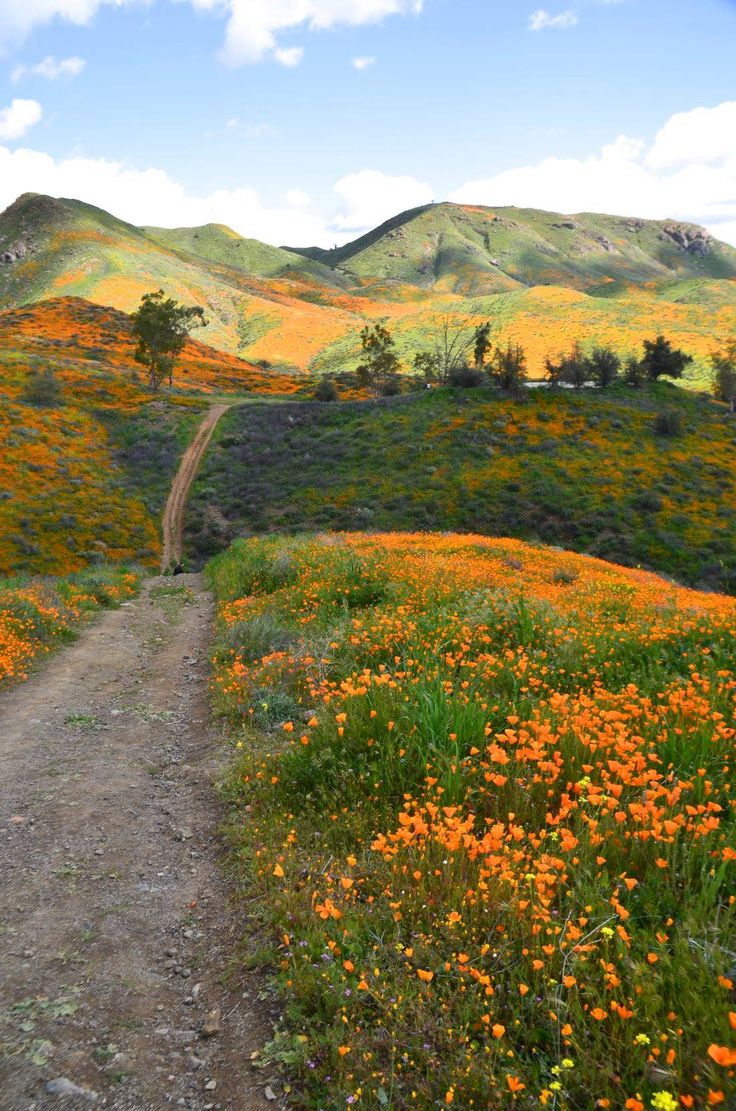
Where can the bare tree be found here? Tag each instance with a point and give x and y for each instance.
(451, 340)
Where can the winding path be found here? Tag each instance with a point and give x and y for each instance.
(173, 519)
(120, 933)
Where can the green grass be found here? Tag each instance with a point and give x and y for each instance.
(450, 755)
(586, 471)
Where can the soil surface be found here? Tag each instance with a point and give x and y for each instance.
(119, 937)
(172, 525)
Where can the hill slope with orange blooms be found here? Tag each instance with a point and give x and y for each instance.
(36, 616)
(539, 277)
(84, 477)
(483, 802)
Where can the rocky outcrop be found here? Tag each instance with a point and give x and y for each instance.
(689, 237)
(16, 253)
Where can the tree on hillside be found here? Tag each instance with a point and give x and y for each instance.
(634, 372)
(481, 344)
(724, 374)
(661, 360)
(161, 327)
(425, 363)
(379, 371)
(570, 369)
(602, 366)
(451, 341)
(508, 367)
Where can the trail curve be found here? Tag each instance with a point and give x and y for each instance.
(173, 519)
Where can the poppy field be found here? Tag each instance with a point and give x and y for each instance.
(38, 615)
(482, 805)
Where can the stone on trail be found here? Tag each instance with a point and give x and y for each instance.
(62, 1086)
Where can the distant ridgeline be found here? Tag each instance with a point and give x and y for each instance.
(541, 278)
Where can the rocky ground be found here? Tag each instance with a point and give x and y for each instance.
(120, 983)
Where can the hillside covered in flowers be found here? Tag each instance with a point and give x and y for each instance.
(484, 801)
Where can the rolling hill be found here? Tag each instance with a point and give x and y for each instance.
(581, 469)
(541, 278)
(474, 250)
(86, 477)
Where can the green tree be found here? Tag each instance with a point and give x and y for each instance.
(634, 372)
(42, 388)
(481, 344)
(724, 374)
(380, 368)
(508, 367)
(603, 366)
(161, 327)
(661, 360)
(570, 368)
(425, 363)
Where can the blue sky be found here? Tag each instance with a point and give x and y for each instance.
(252, 112)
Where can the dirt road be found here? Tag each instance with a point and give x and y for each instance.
(114, 914)
(173, 520)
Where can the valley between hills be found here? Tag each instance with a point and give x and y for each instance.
(369, 750)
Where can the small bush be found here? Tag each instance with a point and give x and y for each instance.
(466, 376)
(326, 390)
(42, 388)
(668, 422)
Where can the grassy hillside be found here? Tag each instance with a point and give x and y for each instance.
(483, 803)
(474, 250)
(220, 244)
(584, 470)
(542, 278)
(73, 249)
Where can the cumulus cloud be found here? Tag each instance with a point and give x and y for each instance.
(253, 26)
(19, 17)
(687, 173)
(369, 197)
(153, 197)
(289, 55)
(50, 68)
(542, 20)
(18, 118)
(363, 63)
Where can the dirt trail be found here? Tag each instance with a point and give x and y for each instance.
(173, 519)
(114, 914)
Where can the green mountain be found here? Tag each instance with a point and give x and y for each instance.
(474, 250)
(52, 248)
(539, 277)
(220, 244)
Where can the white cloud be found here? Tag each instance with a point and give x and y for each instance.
(51, 68)
(253, 26)
(152, 197)
(369, 197)
(363, 63)
(289, 55)
(687, 173)
(297, 198)
(542, 20)
(19, 17)
(701, 136)
(19, 117)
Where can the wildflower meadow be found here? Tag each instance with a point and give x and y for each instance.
(483, 809)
